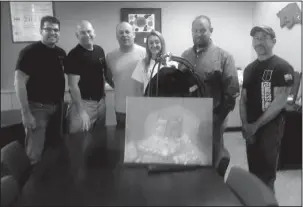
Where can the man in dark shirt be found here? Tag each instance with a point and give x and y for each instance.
(39, 85)
(86, 68)
(267, 83)
(216, 68)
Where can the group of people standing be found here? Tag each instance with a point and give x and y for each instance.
(40, 87)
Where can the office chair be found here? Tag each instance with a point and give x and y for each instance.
(250, 189)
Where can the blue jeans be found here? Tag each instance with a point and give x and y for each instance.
(35, 139)
(263, 155)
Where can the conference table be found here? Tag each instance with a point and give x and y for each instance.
(112, 183)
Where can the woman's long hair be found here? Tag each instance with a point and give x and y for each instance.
(148, 53)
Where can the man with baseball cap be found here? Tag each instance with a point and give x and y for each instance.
(267, 83)
(265, 29)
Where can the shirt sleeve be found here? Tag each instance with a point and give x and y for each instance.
(284, 75)
(230, 86)
(102, 58)
(181, 66)
(138, 72)
(62, 58)
(246, 76)
(230, 78)
(108, 60)
(71, 64)
(25, 63)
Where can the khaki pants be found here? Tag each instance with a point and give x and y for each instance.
(81, 144)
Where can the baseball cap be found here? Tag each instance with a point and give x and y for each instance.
(266, 29)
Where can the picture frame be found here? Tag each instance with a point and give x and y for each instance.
(143, 21)
(25, 19)
(168, 132)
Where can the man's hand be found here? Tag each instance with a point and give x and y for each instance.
(85, 120)
(29, 121)
(249, 131)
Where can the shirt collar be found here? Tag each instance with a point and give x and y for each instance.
(80, 46)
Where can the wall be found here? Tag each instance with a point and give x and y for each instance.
(288, 44)
(231, 21)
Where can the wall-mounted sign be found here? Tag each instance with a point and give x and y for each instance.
(290, 15)
(25, 19)
(143, 21)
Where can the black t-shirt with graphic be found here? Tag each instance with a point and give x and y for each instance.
(260, 79)
(90, 66)
(44, 66)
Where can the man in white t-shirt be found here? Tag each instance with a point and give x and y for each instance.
(122, 62)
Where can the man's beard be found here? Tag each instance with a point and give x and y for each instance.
(261, 50)
(202, 44)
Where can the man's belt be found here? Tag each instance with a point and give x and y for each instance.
(90, 98)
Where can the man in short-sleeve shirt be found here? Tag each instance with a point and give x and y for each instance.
(122, 62)
(266, 85)
(39, 85)
(86, 68)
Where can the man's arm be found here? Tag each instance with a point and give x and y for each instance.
(139, 88)
(20, 81)
(108, 76)
(73, 81)
(72, 69)
(182, 67)
(230, 86)
(137, 77)
(279, 102)
(242, 107)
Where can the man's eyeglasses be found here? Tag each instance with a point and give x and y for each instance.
(47, 29)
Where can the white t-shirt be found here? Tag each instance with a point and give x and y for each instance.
(143, 76)
(122, 66)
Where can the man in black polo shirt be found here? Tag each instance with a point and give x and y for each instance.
(266, 85)
(86, 68)
(39, 85)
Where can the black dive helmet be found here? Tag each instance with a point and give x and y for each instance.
(171, 82)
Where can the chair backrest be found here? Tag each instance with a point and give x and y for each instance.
(14, 158)
(9, 190)
(250, 189)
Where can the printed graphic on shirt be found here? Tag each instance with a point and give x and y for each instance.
(266, 95)
(287, 77)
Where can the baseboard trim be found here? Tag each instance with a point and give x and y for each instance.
(233, 129)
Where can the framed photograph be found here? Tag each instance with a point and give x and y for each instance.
(168, 131)
(143, 21)
(25, 19)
